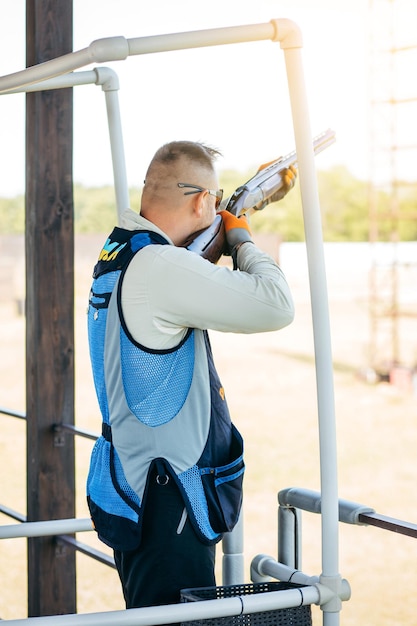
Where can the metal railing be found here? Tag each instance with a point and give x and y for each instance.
(294, 500)
(232, 543)
(206, 609)
(291, 500)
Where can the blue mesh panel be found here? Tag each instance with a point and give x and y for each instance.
(97, 318)
(191, 481)
(156, 385)
(100, 487)
(141, 240)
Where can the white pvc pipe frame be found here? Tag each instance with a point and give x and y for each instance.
(109, 82)
(288, 34)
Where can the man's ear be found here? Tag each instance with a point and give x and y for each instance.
(198, 205)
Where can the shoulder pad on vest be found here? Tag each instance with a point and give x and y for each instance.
(121, 245)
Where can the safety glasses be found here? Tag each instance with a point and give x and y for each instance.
(197, 189)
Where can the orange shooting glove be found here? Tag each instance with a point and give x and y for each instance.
(288, 177)
(237, 232)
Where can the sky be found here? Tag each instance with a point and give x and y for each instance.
(233, 97)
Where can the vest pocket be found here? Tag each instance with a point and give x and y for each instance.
(114, 514)
(223, 488)
(115, 531)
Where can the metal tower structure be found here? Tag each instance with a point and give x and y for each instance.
(392, 173)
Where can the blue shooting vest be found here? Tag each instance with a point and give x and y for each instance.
(160, 408)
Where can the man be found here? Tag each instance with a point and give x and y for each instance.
(165, 480)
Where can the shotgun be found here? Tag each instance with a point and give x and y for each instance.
(265, 187)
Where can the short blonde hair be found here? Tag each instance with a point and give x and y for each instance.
(170, 164)
(195, 152)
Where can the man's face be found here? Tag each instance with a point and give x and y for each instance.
(210, 201)
(199, 194)
(209, 212)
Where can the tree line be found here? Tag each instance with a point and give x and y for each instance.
(344, 201)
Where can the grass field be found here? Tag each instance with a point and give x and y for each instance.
(270, 385)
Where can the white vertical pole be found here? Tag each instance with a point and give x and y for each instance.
(110, 85)
(320, 314)
(233, 557)
(117, 152)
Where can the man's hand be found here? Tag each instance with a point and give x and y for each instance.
(288, 177)
(236, 230)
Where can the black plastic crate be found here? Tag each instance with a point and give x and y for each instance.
(296, 616)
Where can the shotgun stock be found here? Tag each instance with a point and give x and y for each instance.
(265, 187)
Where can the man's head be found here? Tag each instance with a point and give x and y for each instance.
(179, 192)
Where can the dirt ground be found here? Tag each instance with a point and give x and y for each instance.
(271, 389)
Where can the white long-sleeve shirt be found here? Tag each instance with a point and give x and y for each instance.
(168, 289)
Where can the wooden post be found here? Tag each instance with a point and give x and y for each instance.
(49, 312)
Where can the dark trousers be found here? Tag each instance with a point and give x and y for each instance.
(170, 557)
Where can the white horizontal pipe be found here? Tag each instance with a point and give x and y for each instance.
(45, 529)
(110, 49)
(119, 48)
(104, 76)
(267, 566)
(72, 79)
(201, 38)
(206, 609)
